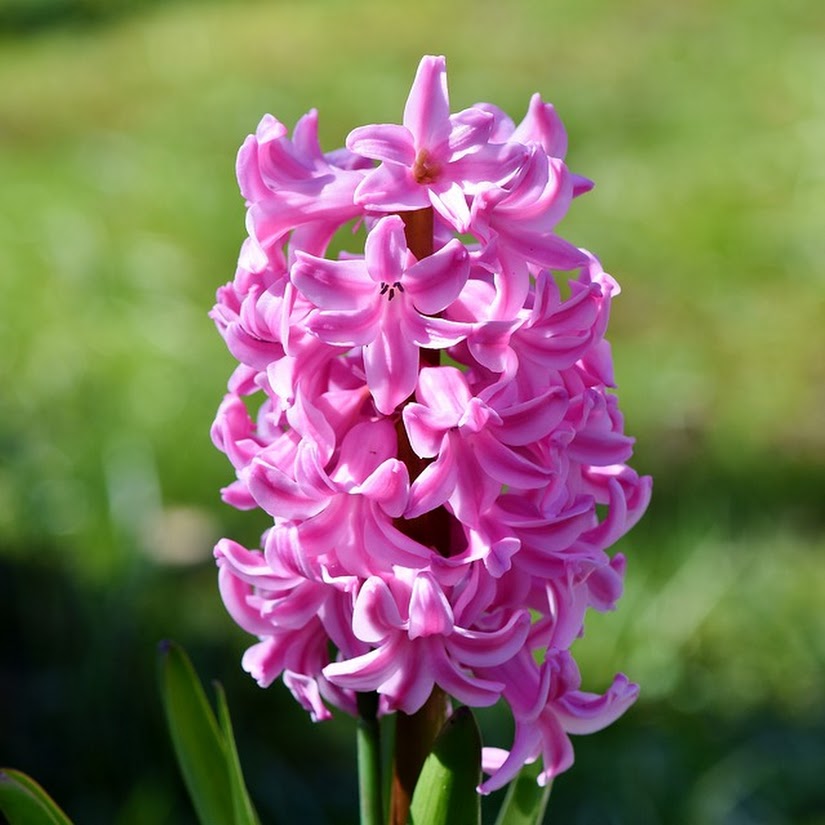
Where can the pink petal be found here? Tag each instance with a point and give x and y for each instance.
(450, 202)
(264, 661)
(476, 648)
(386, 250)
(426, 427)
(542, 125)
(434, 485)
(365, 672)
(236, 596)
(470, 128)
(472, 690)
(365, 447)
(556, 751)
(391, 364)
(384, 141)
(279, 495)
(526, 746)
(444, 389)
(427, 111)
(493, 163)
(507, 466)
(310, 423)
(434, 282)
(412, 683)
(390, 188)
(530, 421)
(433, 333)
(581, 712)
(306, 693)
(430, 612)
(544, 249)
(332, 284)
(395, 547)
(388, 486)
(349, 328)
(375, 614)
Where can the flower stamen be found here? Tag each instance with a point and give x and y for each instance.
(424, 169)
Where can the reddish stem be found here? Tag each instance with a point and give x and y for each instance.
(415, 734)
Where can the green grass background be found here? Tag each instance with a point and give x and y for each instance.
(703, 125)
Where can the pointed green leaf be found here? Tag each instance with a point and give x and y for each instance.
(199, 744)
(242, 806)
(526, 801)
(445, 793)
(24, 802)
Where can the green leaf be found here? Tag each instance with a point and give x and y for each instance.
(24, 802)
(526, 801)
(445, 793)
(199, 744)
(242, 806)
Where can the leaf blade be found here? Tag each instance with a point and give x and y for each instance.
(243, 809)
(526, 800)
(198, 742)
(24, 802)
(445, 793)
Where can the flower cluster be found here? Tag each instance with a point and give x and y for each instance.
(432, 430)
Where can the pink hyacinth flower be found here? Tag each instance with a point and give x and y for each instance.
(418, 645)
(547, 705)
(478, 447)
(386, 303)
(434, 158)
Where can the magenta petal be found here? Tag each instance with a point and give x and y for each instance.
(296, 607)
(530, 421)
(264, 661)
(365, 672)
(435, 484)
(386, 250)
(391, 364)
(471, 690)
(434, 282)
(426, 427)
(526, 746)
(306, 693)
(434, 333)
(412, 683)
(332, 284)
(581, 712)
(375, 614)
(237, 595)
(545, 249)
(364, 448)
(451, 203)
(383, 141)
(249, 567)
(279, 495)
(427, 111)
(542, 125)
(430, 612)
(493, 163)
(486, 649)
(557, 750)
(470, 128)
(389, 486)
(349, 328)
(444, 389)
(310, 423)
(507, 466)
(395, 547)
(390, 188)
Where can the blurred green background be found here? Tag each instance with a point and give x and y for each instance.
(703, 125)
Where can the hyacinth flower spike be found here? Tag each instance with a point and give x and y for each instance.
(438, 444)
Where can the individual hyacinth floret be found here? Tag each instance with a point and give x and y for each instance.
(435, 439)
